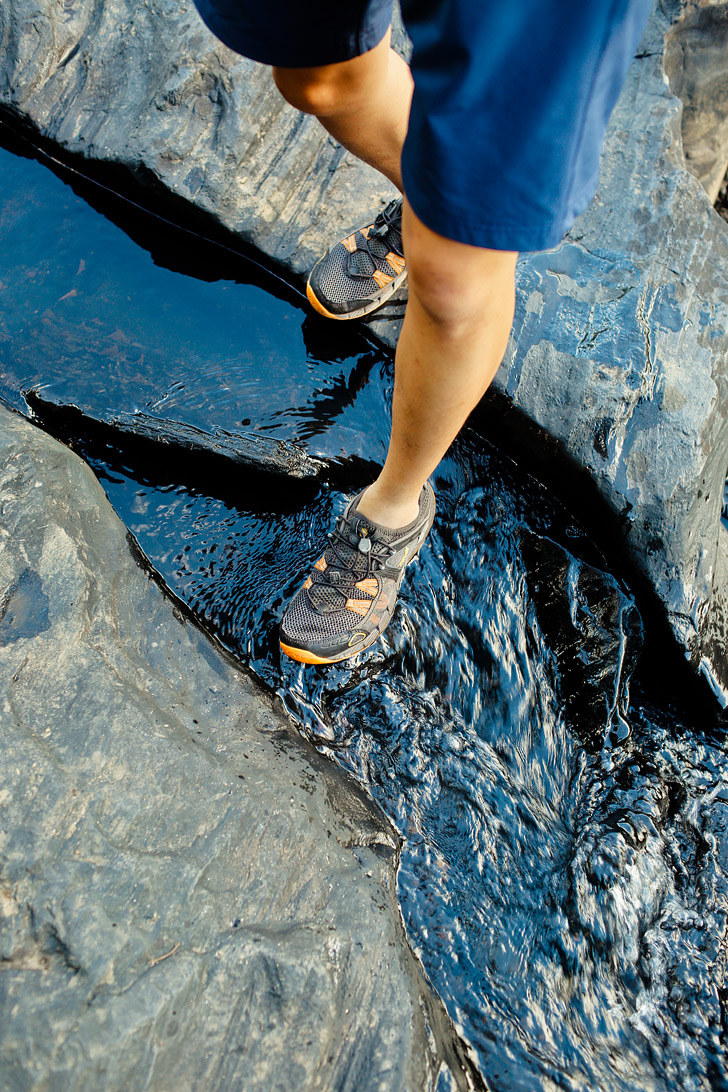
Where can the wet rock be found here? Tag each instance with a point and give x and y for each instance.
(190, 897)
(621, 332)
(246, 449)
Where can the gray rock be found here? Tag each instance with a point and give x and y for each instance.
(190, 897)
(621, 333)
(696, 64)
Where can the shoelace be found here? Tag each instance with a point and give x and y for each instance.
(345, 567)
(386, 219)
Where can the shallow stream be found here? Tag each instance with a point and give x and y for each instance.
(564, 862)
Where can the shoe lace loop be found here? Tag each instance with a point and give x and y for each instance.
(386, 219)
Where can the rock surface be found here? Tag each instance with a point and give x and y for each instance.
(190, 897)
(250, 451)
(621, 333)
(594, 632)
(696, 63)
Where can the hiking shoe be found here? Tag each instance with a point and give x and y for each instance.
(347, 601)
(362, 271)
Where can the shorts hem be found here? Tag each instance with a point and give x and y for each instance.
(488, 234)
(342, 47)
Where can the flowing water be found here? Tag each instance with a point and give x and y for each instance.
(564, 826)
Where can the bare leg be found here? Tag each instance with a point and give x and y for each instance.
(461, 298)
(455, 332)
(364, 103)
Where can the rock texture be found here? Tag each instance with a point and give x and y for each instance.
(594, 632)
(696, 63)
(621, 332)
(189, 896)
(251, 451)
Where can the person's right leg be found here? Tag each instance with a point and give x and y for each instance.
(364, 103)
(456, 326)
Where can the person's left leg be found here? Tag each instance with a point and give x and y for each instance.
(363, 102)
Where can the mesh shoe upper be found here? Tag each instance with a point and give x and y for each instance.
(361, 271)
(352, 589)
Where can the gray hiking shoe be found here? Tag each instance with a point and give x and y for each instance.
(361, 272)
(347, 601)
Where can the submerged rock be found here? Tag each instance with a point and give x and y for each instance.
(594, 632)
(245, 449)
(190, 897)
(621, 333)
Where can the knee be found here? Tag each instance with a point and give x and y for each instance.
(333, 89)
(446, 300)
(459, 287)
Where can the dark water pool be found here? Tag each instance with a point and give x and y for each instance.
(564, 866)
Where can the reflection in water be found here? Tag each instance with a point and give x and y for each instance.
(564, 843)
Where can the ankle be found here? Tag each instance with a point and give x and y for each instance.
(387, 510)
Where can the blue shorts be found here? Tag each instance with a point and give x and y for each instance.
(511, 99)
